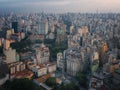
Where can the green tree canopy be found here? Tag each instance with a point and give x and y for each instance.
(82, 79)
(51, 82)
(22, 46)
(1, 50)
(70, 86)
(19, 84)
(2, 75)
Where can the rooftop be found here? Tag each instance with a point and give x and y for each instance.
(43, 78)
(25, 73)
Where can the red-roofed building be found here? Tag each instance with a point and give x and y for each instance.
(24, 74)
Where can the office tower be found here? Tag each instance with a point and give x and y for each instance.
(15, 26)
(46, 27)
(43, 27)
(81, 40)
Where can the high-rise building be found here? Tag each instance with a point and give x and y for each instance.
(94, 61)
(83, 31)
(15, 26)
(9, 33)
(22, 35)
(61, 35)
(6, 44)
(73, 62)
(71, 29)
(60, 62)
(43, 27)
(1, 41)
(42, 54)
(10, 55)
(81, 41)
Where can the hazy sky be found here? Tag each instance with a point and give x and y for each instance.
(62, 5)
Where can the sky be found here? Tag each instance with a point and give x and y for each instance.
(58, 6)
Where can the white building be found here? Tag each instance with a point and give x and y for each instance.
(6, 44)
(16, 67)
(51, 67)
(10, 55)
(60, 61)
(94, 56)
(39, 70)
(42, 54)
(9, 33)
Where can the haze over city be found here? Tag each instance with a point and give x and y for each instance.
(61, 6)
(59, 44)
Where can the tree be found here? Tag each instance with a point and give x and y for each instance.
(39, 88)
(57, 48)
(51, 82)
(23, 46)
(49, 41)
(19, 84)
(82, 79)
(70, 86)
(1, 50)
(2, 75)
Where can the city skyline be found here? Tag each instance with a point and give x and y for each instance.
(61, 6)
(59, 45)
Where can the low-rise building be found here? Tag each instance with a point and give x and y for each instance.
(24, 74)
(15, 68)
(39, 70)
